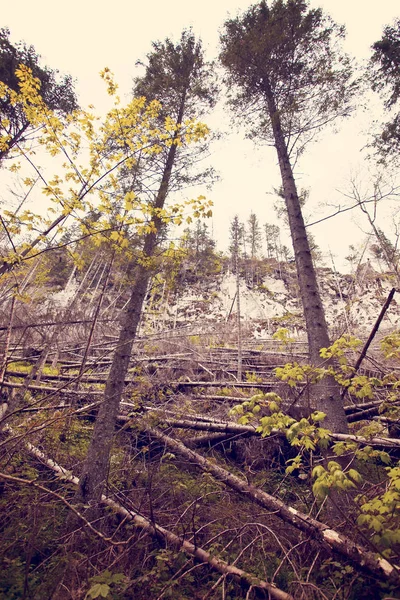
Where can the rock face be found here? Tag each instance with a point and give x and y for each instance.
(352, 302)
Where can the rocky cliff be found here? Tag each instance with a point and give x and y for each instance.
(271, 300)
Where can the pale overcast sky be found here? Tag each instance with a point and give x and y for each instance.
(82, 37)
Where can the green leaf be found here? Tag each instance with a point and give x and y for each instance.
(334, 466)
(355, 475)
(385, 457)
(318, 471)
(320, 490)
(318, 416)
(363, 519)
(308, 443)
(98, 590)
(376, 524)
(117, 578)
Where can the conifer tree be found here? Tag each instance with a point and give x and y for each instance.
(384, 73)
(176, 75)
(272, 234)
(57, 92)
(236, 239)
(290, 79)
(254, 235)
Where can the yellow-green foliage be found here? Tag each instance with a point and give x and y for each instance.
(338, 348)
(23, 367)
(381, 514)
(378, 512)
(253, 377)
(360, 386)
(294, 373)
(390, 345)
(249, 409)
(225, 391)
(51, 371)
(333, 478)
(282, 335)
(305, 433)
(105, 148)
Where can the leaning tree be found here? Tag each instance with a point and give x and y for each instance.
(178, 76)
(289, 79)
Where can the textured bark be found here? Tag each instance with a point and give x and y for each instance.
(327, 393)
(95, 467)
(4, 405)
(327, 537)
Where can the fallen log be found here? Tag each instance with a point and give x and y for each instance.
(56, 323)
(220, 398)
(265, 385)
(370, 338)
(53, 390)
(352, 409)
(327, 537)
(101, 378)
(229, 428)
(248, 579)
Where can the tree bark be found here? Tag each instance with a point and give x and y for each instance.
(326, 393)
(95, 468)
(327, 537)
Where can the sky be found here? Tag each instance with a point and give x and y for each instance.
(81, 37)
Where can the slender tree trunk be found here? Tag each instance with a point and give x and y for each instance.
(95, 317)
(327, 393)
(95, 468)
(3, 368)
(239, 324)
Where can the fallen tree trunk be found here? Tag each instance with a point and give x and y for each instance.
(228, 384)
(53, 390)
(101, 378)
(329, 538)
(229, 428)
(151, 528)
(370, 338)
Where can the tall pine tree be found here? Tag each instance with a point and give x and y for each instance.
(289, 80)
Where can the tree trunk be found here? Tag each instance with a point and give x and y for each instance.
(330, 539)
(239, 324)
(95, 468)
(326, 394)
(259, 586)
